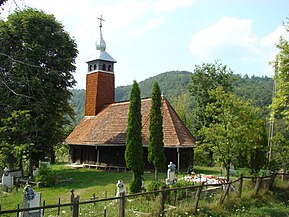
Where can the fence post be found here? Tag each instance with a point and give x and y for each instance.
(122, 204)
(271, 181)
(162, 201)
(104, 211)
(58, 208)
(71, 197)
(43, 208)
(224, 193)
(197, 198)
(18, 207)
(94, 197)
(257, 186)
(75, 206)
(240, 185)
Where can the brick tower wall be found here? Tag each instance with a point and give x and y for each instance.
(99, 91)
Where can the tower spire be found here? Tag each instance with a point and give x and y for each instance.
(99, 78)
(100, 44)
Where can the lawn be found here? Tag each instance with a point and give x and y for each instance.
(87, 182)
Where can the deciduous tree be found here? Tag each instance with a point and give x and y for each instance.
(207, 77)
(37, 63)
(280, 106)
(232, 130)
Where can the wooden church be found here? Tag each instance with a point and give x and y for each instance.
(101, 135)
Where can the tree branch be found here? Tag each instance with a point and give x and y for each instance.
(17, 94)
(21, 62)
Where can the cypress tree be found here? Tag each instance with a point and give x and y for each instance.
(156, 154)
(134, 151)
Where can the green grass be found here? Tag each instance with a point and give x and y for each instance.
(88, 181)
(208, 170)
(85, 182)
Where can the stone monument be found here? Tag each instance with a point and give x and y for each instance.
(31, 199)
(120, 188)
(171, 174)
(7, 180)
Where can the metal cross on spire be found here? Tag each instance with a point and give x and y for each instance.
(100, 19)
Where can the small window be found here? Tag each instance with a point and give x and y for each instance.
(109, 68)
(94, 67)
(90, 67)
(103, 67)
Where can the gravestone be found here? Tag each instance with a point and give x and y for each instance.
(7, 179)
(31, 199)
(171, 174)
(120, 188)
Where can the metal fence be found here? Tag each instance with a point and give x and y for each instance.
(155, 203)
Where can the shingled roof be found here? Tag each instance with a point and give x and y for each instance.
(109, 126)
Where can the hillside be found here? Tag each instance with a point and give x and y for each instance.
(171, 83)
(174, 83)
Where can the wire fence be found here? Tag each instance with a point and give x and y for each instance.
(161, 202)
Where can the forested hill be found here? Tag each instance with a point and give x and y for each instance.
(174, 83)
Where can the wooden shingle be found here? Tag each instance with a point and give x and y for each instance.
(109, 126)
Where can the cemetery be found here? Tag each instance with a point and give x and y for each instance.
(136, 157)
(98, 191)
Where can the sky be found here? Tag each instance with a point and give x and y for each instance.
(149, 37)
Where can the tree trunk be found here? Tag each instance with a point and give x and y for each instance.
(52, 156)
(156, 174)
(211, 155)
(228, 173)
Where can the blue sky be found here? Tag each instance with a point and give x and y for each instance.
(149, 37)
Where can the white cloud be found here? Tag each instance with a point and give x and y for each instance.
(150, 25)
(171, 5)
(232, 38)
(228, 31)
(273, 37)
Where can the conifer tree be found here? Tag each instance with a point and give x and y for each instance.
(134, 151)
(156, 154)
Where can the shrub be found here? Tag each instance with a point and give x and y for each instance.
(45, 176)
(62, 153)
(180, 194)
(155, 185)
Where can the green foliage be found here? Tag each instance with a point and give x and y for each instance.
(172, 84)
(280, 107)
(156, 154)
(62, 153)
(37, 61)
(233, 135)
(134, 151)
(15, 132)
(155, 185)
(45, 176)
(77, 101)
(202, 156)
(181, 183)
(135, 184)
(280, 147)
(258, 90)
(183, 105)
(207, 77)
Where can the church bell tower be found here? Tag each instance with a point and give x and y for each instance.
(100, 87)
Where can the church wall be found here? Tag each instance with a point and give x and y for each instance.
(115, 156)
